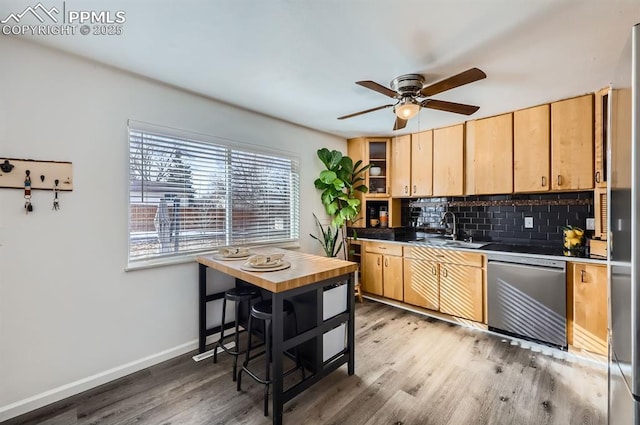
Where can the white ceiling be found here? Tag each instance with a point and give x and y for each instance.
(298, 60)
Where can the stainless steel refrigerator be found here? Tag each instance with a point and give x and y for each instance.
(624, 237)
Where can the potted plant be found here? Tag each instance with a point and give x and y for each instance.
(340, 182)
(329, 239)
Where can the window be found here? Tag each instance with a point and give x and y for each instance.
(188, 195)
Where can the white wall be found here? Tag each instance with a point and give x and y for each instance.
(70, 316)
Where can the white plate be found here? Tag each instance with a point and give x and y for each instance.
(223, 258)
(267, 265)
(283, 265)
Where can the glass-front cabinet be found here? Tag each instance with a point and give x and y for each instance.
(378, 153)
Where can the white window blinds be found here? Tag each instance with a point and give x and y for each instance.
(188, 196)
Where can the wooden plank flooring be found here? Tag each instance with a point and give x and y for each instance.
(410, 370)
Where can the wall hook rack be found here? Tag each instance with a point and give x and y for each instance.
(47, 171)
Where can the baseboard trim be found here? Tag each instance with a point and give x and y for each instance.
(56, 394)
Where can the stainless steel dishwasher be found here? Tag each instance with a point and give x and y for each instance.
(527, 298)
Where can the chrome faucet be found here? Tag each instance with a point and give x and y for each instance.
(443, 221)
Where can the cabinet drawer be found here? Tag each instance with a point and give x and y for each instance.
(384, 248)
(444, 256)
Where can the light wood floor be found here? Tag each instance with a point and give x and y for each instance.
(410, 370)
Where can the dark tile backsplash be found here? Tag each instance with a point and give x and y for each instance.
(501, 218)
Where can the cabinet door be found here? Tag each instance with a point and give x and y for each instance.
(421, 285)
(572, 144)
(448, 161)
(401, 165)
(490, 145)
(422, 163)
(372, 273)
(590, 307)
(461, 291)
(531, 149)
(392, 277)
(601, 135)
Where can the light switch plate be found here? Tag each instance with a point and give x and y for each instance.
(528, 222)
(591, 224)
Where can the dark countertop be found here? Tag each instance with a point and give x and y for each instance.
(521, 249)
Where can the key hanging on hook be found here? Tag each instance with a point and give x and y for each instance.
(27, 192)
(56, 204)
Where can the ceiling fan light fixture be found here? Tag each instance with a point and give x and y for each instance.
(407, 109)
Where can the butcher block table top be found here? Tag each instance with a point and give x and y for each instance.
(305, 269)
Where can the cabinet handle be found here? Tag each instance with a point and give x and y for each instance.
(415, 189)
(544, 181)
(386, 262)
(433, 270)
(378, 260)
(582, 276)
(444, 272)
(382, 247)
(406, 189)
(597, 176)
(559, 180)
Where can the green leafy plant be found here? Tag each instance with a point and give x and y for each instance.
(340, 183)
(329, 239)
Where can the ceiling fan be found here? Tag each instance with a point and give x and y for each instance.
(412, 94)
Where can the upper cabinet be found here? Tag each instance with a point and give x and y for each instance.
(401, 165)
(412, 165)
(572, 144)
(378, 154)
(489, 154)
(448, 161)
(601, 135)
(356, 151)
(422, 163)
(531, 149)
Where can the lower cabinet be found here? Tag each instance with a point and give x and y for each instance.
(382, 273)
(588, 309)
(461, 291)
(421, 283)
(451, 282)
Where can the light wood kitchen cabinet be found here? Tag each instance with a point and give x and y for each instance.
(412, 165)
(461, 291)
(401, 166)
(588, 310)
(422, 163)
(601, 135)
(448, 161)
(531, 149)
(572, 144)
(489, 153)
(445, 280)
(422, 283)
(382, 274)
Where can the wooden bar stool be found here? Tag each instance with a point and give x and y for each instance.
(263, 311)
(238, 296)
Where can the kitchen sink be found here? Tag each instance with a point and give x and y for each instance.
(448, 243)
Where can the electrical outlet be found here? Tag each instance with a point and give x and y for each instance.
(591, 224)
(528, 222)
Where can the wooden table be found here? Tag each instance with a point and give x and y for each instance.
(308, 274)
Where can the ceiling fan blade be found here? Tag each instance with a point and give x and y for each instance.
(441, 105)
(466, 77)
(399, 124)
(372, 85)
(364, 112)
